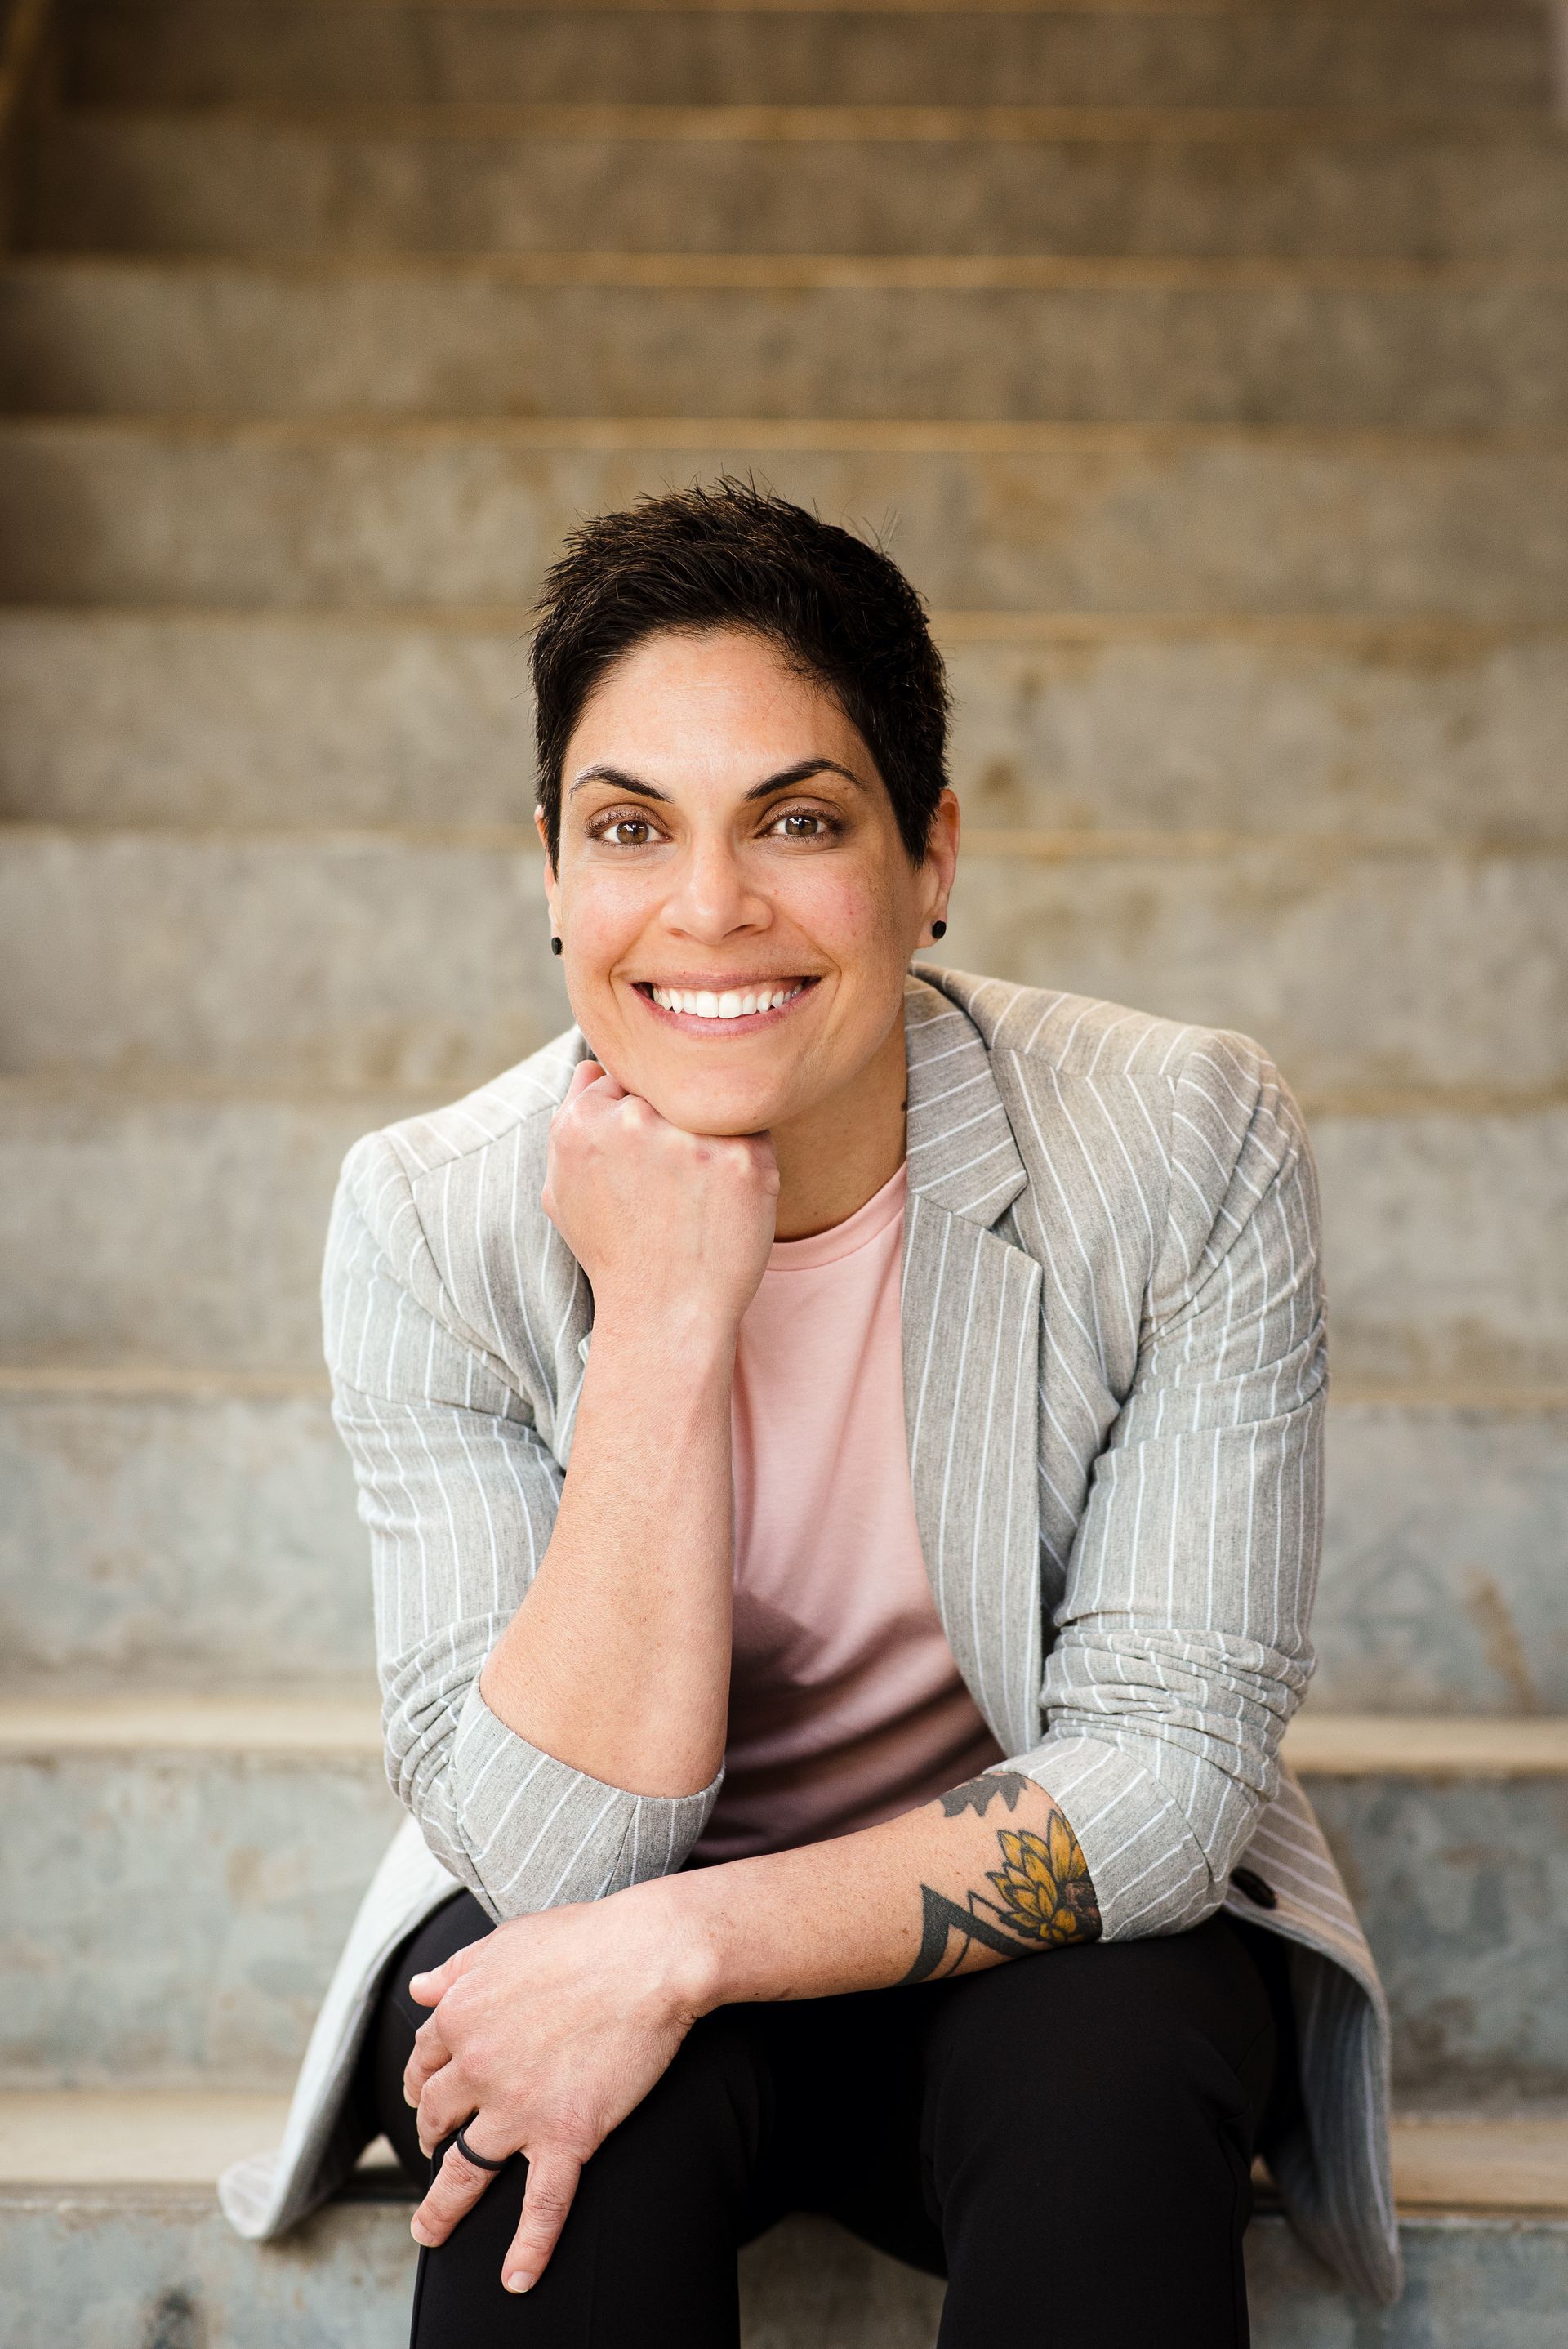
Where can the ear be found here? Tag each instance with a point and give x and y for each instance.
(551, 883)
(940, 864)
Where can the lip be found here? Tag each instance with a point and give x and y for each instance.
(747, 1023)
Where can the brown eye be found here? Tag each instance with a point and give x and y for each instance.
(801, 824)
(628, 832)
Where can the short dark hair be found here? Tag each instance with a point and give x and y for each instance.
(730, 554)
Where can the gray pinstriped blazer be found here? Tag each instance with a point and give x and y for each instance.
(1114, 1370)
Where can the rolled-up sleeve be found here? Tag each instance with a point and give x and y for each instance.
(460, 1493)
(1183, 1643)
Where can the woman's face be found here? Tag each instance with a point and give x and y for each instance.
(736, 904)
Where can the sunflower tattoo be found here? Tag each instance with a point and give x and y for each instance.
(1044, 1894)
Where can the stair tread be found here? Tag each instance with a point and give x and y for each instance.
(843, 272)
(155, 2138)
(525, 120)
(346, 1720)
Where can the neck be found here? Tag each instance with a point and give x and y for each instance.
(832, 1162)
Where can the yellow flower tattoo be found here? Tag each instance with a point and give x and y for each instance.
(1044, 1884)
(1047, 1896)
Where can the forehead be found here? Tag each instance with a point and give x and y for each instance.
(714, 704)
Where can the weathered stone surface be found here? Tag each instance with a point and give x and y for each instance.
(1444, 1235)
(1463, 1893)
(160, 2266)
(1362, 345)
(351, 961)
(181, 1535)
(1020, 519)
(355, 960)
(191, 1531)
(172, 1919)
(187, 51)
(1442, 1588)
(492, 178)
(193, 1228)
(1389, 733)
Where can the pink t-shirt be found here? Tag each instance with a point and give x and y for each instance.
(845, 1705)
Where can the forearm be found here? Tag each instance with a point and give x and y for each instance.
(617, 1661)
(988, 1872)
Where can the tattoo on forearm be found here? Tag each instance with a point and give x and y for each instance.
(1044, 1897)
(977, 1794)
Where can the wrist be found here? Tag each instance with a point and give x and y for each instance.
(684, 1925)
(683, 1333)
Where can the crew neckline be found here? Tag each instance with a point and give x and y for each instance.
(883, 1207)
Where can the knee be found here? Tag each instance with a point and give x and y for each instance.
(1121, 2031)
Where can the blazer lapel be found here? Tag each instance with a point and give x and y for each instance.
(971, 1305)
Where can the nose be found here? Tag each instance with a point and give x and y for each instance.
(713, 898)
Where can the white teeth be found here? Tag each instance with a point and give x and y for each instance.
(702, 1003)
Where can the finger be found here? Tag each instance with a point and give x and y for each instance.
(587, 1072)
(551, 2184)
(453, 2191)
(445, 2103)
(428, 2055)
(434, 1984)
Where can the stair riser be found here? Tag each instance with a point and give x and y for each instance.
(1463, 1893)
(172, 1919)
(179, 1541)
(187, 1539)
(1134, 521)
(192, 1231)
(194, 53)
(279, 719)
(102, 2270)
(1441, 1587)
(169, 184)
(358, 961)
(224, 339)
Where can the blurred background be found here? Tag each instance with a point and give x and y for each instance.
(1205, 363)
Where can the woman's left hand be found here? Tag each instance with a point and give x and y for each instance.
(545, 2036)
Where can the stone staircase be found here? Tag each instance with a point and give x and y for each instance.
(1206, 362)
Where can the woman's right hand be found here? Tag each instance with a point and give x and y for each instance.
(672, 1229)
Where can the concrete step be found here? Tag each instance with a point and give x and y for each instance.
(182, 1868)
(187, 1528)
(184, 1228)
(773, 179)
(1415, 733)
(1455, 346)
(179, 1528)
(132, 2222)
(400, 957)
(1020, 519)
(188, 52)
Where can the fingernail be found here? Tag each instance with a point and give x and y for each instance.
(414, 1981)
(421, 2233)
(519, 2280)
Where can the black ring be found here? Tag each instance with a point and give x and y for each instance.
(465, 2149)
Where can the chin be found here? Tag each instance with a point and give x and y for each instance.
(707, 1105)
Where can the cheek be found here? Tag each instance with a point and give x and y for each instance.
(602, 915)
(856, 918)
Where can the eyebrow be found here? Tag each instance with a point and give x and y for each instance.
(785, 780)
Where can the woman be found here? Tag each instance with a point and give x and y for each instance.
(863, 1766)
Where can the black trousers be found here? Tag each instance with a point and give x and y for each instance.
(1067, 2138)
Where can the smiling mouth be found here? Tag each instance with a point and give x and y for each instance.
(717, 1006)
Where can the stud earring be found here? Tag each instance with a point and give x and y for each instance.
(938, 930)
(555, 945)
